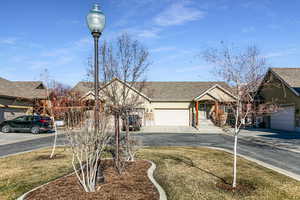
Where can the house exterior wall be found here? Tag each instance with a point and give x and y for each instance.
(11, 108)
(275, 91)
(13, 101)
(221, 95)
(216, 94)
(170, 105)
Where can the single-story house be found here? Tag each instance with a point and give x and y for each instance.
(19, 97)
(281, 87)
(174, 103)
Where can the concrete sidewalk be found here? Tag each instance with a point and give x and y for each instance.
(169, 129)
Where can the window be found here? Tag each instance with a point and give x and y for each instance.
(21, 119)
(29, 118)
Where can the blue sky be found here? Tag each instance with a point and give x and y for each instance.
(52, 34)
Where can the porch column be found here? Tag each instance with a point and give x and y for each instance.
(197, 113)
(217, 111)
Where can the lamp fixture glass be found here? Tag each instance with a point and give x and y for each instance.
(96, 19)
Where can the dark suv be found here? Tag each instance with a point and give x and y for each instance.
(135, 123)
(33, 123)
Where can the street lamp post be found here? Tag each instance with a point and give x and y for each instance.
(96, 23)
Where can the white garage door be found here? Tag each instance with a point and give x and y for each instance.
(168, 117)
(284, 119)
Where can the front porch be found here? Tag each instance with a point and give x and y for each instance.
(208, 112)
(211, 107)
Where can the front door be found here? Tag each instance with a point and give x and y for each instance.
(202, 111)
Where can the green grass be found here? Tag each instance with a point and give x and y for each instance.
(21, 173)
(185, 173)
(192, 174)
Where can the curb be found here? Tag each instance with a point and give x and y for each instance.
(277, 169)
(162, 193)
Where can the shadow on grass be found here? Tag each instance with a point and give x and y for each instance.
(189, 162)
(243, 188)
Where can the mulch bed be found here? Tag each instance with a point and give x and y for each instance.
(47, 157)
(242, 189)
(132, 184)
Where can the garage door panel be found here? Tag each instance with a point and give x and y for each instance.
(284, 119)
(171, 117)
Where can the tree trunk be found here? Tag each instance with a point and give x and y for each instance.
(127, 129)
(131, 158)
(234, 162)
(117, 141)
(55, 138)
(99, 177)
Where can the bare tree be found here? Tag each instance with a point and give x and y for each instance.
(243, 71)
(88, 147)
(45, 77)
(124, 66)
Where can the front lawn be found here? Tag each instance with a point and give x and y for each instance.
(189, 173)
(21, 173)
(185, 173)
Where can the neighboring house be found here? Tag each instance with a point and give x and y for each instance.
(281, 87)
(174, 103)
(19, 97)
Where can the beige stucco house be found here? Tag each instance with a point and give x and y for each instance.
(173, 103)
(281, 86)
(19, 97)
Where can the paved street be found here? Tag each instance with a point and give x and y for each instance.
(8, 138)
(286, 160)
(29, 145)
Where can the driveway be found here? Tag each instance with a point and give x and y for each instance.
(169, 129)
(279, 139)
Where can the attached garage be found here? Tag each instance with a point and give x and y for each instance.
(171, 117)
(284, 119)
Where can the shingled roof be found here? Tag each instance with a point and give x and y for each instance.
(165, 91)
(83, 87)
(290, 76)
(22, 89)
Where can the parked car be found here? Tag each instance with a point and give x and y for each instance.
(134, 123)
(32, 123)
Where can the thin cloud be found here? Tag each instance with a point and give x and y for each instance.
(162, 49)
(282, 53)
(177, 14)
(142, 33)
(191, 69)
(9, 40)
(248, 29)
(152, 33)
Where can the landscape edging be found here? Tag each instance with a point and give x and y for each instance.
(161, 191)
(150, 172)
(25, 195)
